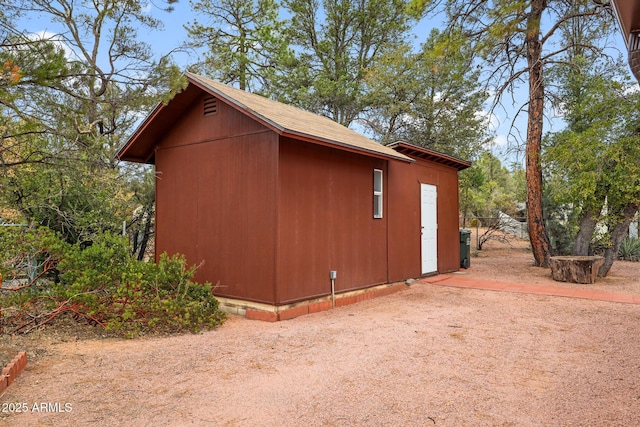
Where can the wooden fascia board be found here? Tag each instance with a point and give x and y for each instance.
(625, 31)
(430, 155)
(120, 155)
(627, 13)
(344, 147)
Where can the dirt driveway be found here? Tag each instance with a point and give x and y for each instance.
(428, 355)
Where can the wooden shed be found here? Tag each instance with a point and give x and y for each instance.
(272, 199)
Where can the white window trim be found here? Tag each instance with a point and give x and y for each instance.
(378, 194)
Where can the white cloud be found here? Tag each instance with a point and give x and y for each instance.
(57, 40)
(632, 88)
(492, 120)
(500, 141)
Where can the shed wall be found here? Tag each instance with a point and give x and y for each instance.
(215, 189)
(404, 217)
(325, 222)
(194, 127)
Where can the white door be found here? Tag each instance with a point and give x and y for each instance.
(429, 222)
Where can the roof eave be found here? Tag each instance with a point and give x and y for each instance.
(625, 31)
(412, 150)
(345, 147)
(121, 154)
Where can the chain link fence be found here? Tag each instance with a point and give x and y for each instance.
(502, 228)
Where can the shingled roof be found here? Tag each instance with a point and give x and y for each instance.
(283, 119)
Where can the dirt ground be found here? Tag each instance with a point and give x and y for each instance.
(512, 262)
(428, 355)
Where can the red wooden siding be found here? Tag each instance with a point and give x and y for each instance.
(195, 128)
(325, 222)
(404, 214)
(217, 196)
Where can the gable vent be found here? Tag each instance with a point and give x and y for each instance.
(210, 106)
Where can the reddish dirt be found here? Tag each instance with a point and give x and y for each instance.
(428, 355)
(512, 262)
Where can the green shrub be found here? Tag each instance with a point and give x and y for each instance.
(629, 249)
(105, 285)
(160, 297)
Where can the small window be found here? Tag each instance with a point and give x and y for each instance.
(210, 106)
(377, 193)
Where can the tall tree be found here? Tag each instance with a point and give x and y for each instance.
(520, 39)
(487, 187)
(595, 162)
(431, 97)
(244, 41)
(78, 91)
(336, 43)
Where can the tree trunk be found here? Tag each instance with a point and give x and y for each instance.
(575, 269)
(134, 243)
(617, 235)
(583, 238)
(148, 222)
(538, 237)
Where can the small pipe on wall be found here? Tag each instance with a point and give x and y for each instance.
(332, 275)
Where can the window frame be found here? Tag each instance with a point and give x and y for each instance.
(378, 198)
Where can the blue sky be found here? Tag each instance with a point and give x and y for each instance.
(174, 34)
